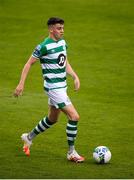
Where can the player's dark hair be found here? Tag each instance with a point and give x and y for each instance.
(55, 20)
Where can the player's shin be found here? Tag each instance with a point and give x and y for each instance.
(71, 131)
(42, 126)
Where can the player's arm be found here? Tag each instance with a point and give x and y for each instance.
(20, 87)
(71, 72)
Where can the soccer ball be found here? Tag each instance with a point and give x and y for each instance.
(102, 154)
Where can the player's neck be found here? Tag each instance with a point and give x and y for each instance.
(53, 38)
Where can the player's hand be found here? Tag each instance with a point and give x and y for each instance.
(18, 91)
(76, 84)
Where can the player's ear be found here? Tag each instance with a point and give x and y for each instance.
(50, 28)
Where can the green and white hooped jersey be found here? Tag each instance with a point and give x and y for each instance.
(52, 55)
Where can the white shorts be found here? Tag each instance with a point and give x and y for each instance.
(58, 98)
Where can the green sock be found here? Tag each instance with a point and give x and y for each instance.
(42, 126)
(71, 131)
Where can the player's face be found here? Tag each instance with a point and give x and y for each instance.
(57, 31)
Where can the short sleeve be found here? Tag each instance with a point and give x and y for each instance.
(66, 46)
(39, 51)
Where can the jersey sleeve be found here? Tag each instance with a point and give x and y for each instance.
(39, 51)
(66, 45)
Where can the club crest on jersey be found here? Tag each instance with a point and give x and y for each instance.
(38, 47)
(52, 51)
(61, 60)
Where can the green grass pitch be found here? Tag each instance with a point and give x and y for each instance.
(100, 37)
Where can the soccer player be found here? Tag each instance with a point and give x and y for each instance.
(52, 54)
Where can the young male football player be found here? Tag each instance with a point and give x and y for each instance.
(52, 53)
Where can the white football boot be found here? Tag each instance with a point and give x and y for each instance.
(74, 156)
(27, 144)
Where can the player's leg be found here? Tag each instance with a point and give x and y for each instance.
(42, 126)
(71, 131)
(71, 112)
(46, 122)
(71, 128)
(53, 114)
